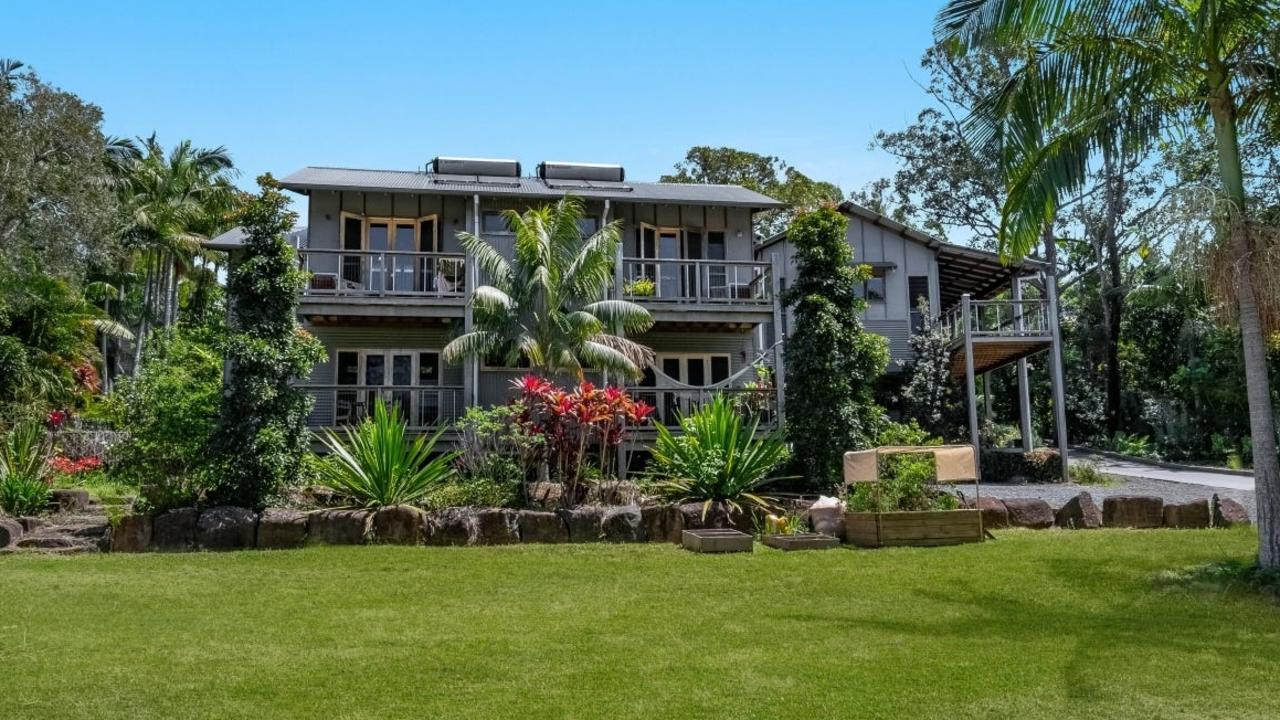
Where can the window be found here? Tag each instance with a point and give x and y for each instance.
(496, 361)
(408, 380)
(873, 288)
(588, 226)
(493, 221)
(917, 290)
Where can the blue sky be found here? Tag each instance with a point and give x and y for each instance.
(390, 85)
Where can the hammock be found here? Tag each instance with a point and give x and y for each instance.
(670, 383)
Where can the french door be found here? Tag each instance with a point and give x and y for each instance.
(697, 370)
(406, 380)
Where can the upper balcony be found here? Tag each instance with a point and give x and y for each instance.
(683, 290)
(386, 283)
(383, 282)
(999, 332)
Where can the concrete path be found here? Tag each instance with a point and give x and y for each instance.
(1139, 469)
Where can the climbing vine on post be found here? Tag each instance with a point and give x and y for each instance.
(262, 429)
(832, 362)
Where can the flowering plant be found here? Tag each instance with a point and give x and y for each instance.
(75, 466)
(56, 418)
(574, 423)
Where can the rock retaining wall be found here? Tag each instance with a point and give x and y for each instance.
(230, 528)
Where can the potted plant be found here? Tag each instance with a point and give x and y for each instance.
(640, 287)
(893, 501)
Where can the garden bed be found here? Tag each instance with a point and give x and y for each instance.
(913, 528)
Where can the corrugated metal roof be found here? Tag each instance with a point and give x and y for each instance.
(326, 178)
(233, 239)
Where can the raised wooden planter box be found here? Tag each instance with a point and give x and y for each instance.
(801, 541)
(920, 529)
(716, 541)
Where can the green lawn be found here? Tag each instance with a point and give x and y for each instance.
(1043, 624)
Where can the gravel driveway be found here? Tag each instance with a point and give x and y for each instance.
(1057, 495)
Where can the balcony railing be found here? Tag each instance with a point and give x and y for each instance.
(384, 272)
(998, 319)
(696, 281)
(755, 403)
(424, 408)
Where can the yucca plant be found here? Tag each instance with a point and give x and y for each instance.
(717, 458)
(25, 452)
(23, 493)
(377, 465)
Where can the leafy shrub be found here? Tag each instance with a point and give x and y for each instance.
(640, 287)
(169, 412)
(462, 492)
(716, 458)
(1002, 465)
(496, 447)
(377, 465)
(1087, 473)
(22, 493)
(998, 435)
(1126, 444)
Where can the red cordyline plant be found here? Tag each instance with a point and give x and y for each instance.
(576, 423)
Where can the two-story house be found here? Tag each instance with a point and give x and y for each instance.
(390, 285)
(996, 313)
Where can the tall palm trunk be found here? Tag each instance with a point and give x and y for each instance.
(140, 336)
(1266, 462)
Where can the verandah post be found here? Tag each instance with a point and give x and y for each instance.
(966, 322)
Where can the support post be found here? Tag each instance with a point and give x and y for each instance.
(1024, 383)
(986, 396)
(471, 376)
(1055, 371)
(604, 220)
(969, 382)
(779, 362)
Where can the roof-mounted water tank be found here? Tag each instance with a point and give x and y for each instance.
(601, 172)
(475, 166)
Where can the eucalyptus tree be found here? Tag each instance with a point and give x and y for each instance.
(1124, 76)
(548, 302)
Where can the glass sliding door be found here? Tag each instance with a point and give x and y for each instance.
(352, 270)
(347, 403)
(669, 275)
(404, 275)
(429, 409)
(379, 239)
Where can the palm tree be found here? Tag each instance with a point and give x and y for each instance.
(1120, 76)
(170, 198)
(547, 304)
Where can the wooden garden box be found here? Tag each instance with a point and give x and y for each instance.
(801, 541)
(953, 464)
(916, 528)
(716, 541)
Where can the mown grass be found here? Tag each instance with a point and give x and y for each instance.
(1044, 624)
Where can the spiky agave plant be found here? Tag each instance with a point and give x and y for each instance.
(718, 458)
(377, 465)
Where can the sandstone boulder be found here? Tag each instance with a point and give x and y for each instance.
(623, 523)
(69, 500)
(828, 521)
(540, 526)
(340, 527)
(452, 526)
(545, 494)
(227, 528)
(131, 533)
(1133, 511)
(10, 531)
(994, 513)
(497, 526)
(1194, 514)
(1080, 513)
(1228, 512)
(282, 528)
(653, 518)
(583, 522)
(615, 492)
(174, 530)
(1031, 513)
(399, 525)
